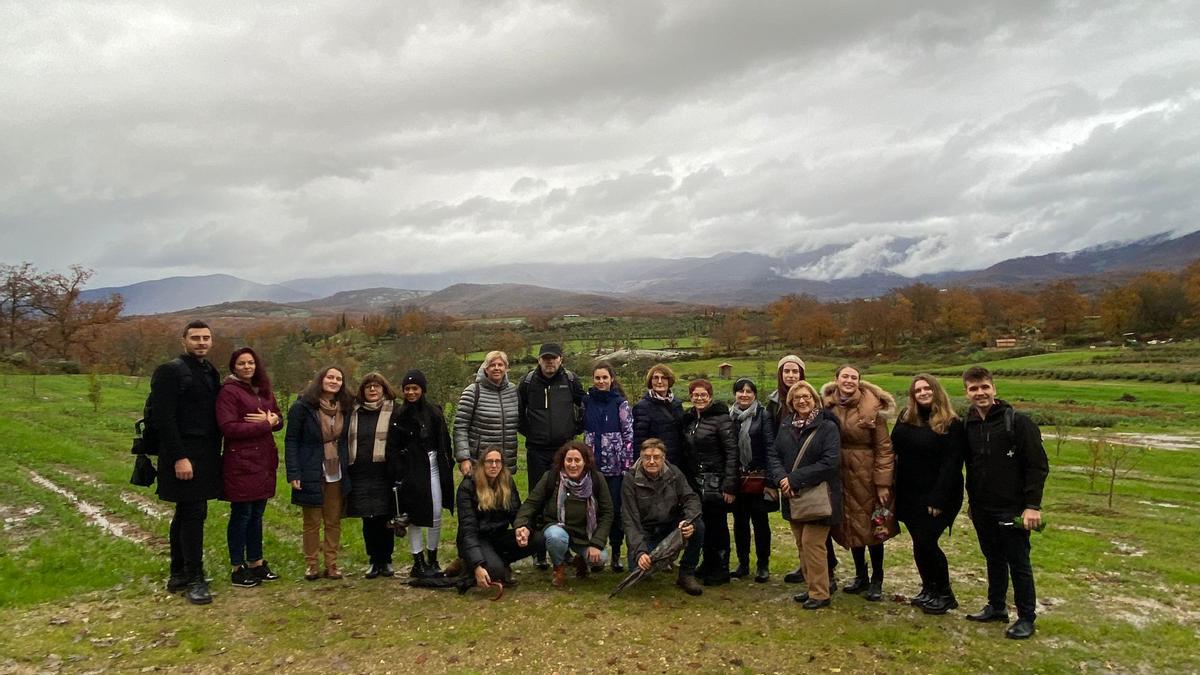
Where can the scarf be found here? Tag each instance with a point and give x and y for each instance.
(654, 395)
(742, 419)
(799, 423)
(331, 428)
(384, 407)
(581, 489)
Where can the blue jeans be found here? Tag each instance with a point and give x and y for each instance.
(245, 531)
(691, 550)
(558, 545)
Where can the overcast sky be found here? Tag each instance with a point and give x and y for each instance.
(274, 140)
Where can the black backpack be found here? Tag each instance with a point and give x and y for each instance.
(145, 435)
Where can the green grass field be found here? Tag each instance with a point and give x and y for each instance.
(1118, 586)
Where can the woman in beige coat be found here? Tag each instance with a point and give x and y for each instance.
(868, 470)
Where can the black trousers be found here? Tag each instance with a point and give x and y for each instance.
(928, 556)
(752, 510)
(539, 460)
(715, 515)
(500, 550)
(187, 539)
(1006, 550)
(379, 539)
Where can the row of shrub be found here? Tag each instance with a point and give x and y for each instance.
(1183, 376)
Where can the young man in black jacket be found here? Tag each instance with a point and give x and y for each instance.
(1006, 473)
(183, 401)
(549, 413)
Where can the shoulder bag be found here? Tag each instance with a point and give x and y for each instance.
(810, 503)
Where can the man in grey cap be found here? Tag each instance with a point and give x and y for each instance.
(550, 413)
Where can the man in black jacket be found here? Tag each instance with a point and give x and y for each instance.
(655, 500)
(183, 398)
(1006, 473)
(550, 413)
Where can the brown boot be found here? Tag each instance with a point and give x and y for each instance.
(560, 576)
(689, 583)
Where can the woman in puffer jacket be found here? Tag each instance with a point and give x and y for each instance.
(608, 431)
(710, 462)
(487, 415)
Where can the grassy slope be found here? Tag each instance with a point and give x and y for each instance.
(1118, 586)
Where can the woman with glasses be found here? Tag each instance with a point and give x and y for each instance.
(488, 502)
(371, 460)
(658, 413)
(710, 456)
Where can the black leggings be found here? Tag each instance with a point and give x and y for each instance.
(751, 510)
(860, 562)
(927, 554)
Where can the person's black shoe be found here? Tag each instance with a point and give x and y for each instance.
(717, 578)
(242, 577)
(432, 569)
(989, 614)
(921, 598)
(417, 571)
(940, 603)
(801, 597)
(812, 603)
(795, 576)
(197, 593)
(387, 570)
(177, 583)
(1020, 630)
(742, 569)
(857, 586)
(264, 572)
(372, 571)
(539, 562)
(874, 591)
(762, 574)
(617, 567)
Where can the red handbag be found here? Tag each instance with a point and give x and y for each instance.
(753, 483)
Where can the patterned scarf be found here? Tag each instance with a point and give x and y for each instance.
(654, 395)
(384, 407)
(742, 419)
(581, 489)
(332, 422)
(799, 423)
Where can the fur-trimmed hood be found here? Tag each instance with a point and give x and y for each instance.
(869, 396)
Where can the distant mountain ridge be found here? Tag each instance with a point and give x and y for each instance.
(731, 278)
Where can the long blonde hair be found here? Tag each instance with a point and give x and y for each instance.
(492, 495)
(941, 413)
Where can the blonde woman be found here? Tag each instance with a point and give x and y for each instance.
(487, 506)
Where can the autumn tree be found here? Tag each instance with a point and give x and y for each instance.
(135, 346)
(789, 315)
(18, 292)
(731, 332)
(1062, 307)
(925, 302)
(1119, 309)
(959, 313)
(1162, 301)
(1007, 309)
(65, 323)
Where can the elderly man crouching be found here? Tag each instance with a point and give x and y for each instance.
(656, 499)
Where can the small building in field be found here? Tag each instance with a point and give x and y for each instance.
(1006, 343)
(725, 371)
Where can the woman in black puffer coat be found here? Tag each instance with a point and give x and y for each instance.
(370, 426)
(929, 441)
(710, 462)
(488, 502)
(658, 413)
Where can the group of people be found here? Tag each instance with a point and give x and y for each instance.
(822, 457)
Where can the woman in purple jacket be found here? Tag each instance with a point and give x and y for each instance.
(608, 431)
(247, 415)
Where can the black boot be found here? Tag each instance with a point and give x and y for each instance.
(923, 597)
(718, 572)
(432, 569)
(417, 570)
(874, 589)
(795, 576)
(943, 601)
(197, 591)
(857, 586)
(762, 573)
(742, 569)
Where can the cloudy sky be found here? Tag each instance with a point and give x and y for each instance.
(274, 140)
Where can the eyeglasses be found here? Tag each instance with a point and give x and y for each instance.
(701, 394)
(493, 461)
(373, 385)
(802, 397)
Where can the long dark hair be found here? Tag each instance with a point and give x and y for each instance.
(260, 381)
(312, 391)
(612, 373)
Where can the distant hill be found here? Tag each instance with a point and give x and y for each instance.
(175, 293)
(476, 300)
(365, 300)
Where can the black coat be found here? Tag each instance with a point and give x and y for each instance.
(549, 410)
(304, 454)
(475, 525)
(821, 463)
(653, 418)
(421, 428)
(1006, 470)
(186, 423)
(928, 470)
(762, 437)
(709, 446)
(372, 480)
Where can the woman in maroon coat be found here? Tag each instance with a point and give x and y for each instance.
(247, 415)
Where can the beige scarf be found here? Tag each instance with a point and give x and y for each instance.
(381, 429)
(331, 428)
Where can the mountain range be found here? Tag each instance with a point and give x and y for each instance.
(735, 278)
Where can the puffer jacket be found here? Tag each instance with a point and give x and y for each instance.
(492, 422)
(709, 446)
(821, 462)
(608, 431)
(650, 503)
(250, 458)
(867, 460)
(475, 525)
(654, 418)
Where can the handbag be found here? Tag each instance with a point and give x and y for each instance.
(752, 483)
(144, 472)
(710, 487)
(810, 503)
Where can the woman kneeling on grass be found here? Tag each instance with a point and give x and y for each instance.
(247, 415)
(315, 457)
(487, 506)
(572, 509)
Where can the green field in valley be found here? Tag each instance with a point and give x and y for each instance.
(85, 559)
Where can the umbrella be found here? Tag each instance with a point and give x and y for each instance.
(660, 557)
